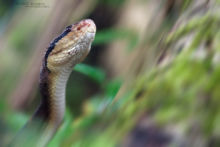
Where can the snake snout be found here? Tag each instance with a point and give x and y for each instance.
(91, 25)
(87, 25)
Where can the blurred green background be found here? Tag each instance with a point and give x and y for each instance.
(152, 77)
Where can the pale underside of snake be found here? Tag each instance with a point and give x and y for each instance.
(68, 49)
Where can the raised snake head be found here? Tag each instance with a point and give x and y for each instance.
(71, 47)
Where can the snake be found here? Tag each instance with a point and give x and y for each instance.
(64, 52)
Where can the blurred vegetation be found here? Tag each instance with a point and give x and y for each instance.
(166, 88)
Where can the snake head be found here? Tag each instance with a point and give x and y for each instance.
(71, 47)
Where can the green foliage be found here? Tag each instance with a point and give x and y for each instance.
(95, 74)
(16, 120)
(109, 35)
(112, 88)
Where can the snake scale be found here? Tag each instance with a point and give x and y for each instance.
(65, 51)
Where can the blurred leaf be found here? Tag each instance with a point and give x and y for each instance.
(17, 120)
(96, 74)
(109, 35)
(112, 88)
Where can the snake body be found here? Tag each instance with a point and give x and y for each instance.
(68, 49)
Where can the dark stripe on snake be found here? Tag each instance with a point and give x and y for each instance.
(53, 43)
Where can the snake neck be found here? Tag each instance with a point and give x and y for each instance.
(52, 89)
(50, 112)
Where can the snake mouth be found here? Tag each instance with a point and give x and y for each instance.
(92, 31)
(90, 35)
